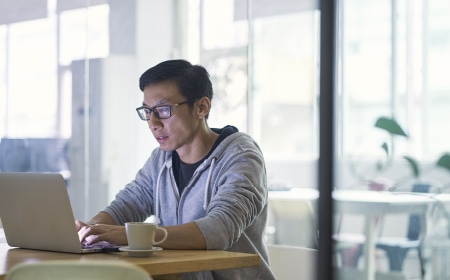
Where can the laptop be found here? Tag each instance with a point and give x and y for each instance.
(36, 213)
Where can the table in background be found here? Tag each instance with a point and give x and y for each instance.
(372, 205)
(165, 263)
(303, 194)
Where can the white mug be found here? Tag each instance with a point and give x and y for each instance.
(141, 236)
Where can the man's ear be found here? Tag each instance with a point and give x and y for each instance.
(204, 105)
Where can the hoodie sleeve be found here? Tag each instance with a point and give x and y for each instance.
(240, 197)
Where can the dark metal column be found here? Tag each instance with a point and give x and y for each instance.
(326, 137)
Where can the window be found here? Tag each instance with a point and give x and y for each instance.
(394, 66)
(31, 79)
(40, 42)
(265, 74)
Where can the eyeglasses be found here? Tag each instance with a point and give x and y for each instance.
(161, 112)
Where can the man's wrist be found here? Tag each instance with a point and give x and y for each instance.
(101, 218)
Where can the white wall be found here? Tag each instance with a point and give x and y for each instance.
(154, 34)
(129, 141)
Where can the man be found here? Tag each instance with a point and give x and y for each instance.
(207, 187)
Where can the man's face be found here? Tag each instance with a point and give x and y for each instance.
(177, 132)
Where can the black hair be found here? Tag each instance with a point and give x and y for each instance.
(192, 80)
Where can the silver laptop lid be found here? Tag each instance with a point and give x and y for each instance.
(36, 212)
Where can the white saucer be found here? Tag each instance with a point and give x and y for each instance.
(139, 253)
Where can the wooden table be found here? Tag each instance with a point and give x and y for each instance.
(166, 263)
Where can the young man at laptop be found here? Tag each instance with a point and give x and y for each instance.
(206, 186)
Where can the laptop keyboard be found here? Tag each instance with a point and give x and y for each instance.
(101, 245)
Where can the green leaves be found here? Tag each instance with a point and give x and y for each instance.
(385, 148)
(391, 126)
(414, 166)
(444, 161)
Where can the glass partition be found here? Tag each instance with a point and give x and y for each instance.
(393, 172)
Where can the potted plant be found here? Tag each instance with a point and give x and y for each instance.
(391, 126)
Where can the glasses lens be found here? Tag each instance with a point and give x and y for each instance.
(143, 113)
(162, 112)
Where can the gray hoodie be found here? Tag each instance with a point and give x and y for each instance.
(226, 197)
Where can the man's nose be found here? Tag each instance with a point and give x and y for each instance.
(153, 122)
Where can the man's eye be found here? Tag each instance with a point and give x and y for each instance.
(164, 110)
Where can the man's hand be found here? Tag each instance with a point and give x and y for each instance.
(91, 234)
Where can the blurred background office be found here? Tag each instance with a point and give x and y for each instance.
(69, 74)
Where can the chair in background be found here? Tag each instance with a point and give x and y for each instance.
(34, 155)
(71, 270)
(396, 248)
(293, 223)
(14, 155)
(288, 262)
